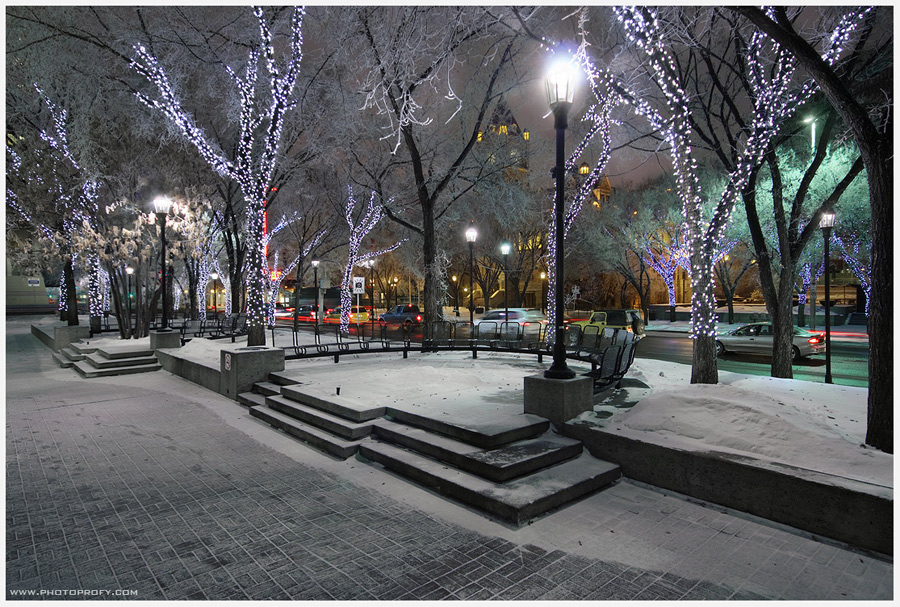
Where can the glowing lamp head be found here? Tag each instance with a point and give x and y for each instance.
(561, 84)
(584, 169)
(827, 220)
(471, 233)
(162, 204)
(505, 248)
(314, 263)
(214, 275)
(129, 270)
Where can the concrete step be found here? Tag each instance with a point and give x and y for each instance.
(496, 465)
(62, 360)
(266, 388)
(87, 370)
(72, 354)
(516, 501)
(124, 351)
(340, 426)
(333, 404)
(315, 437)
(96, 359)
(484, 433)
(283, 378)
(251, 399)
(83, 348)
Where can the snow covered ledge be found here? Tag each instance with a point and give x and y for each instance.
(784, 450)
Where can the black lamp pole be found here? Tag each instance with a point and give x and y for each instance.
(560, 98)
(504, 248)
(471, 235)
(162, 205)
(315, 265)
(826, 223)
(129, 271)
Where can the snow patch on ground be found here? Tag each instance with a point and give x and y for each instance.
(813, 426)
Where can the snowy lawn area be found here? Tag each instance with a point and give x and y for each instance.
(814, 426)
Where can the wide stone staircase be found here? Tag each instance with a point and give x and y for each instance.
(514, 467)
(91, 361)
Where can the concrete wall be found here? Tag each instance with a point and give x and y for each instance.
(856, 513)
(198, 373)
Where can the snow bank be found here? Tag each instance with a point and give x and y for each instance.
(814, 426)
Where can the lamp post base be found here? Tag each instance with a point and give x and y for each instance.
(558, 400)
(564, 373)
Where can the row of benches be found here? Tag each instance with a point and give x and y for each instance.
(610, 352)
(214, 328)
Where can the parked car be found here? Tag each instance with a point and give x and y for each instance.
(522, 316)
(629, 320)
(358, 314)
(408, 315)
(758, 337)
(597, 319)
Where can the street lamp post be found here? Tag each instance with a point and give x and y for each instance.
(456, 293)
(162, 205)
(504, 249)
(129, 271)
(215, 277)
(315, 264)
(370, 263)
(826, 223)
(471, 236)
(560, 94)
(811, 121)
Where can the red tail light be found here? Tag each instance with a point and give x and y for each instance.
(418, 318)
(814, 340)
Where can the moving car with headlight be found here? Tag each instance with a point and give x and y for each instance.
(358, 314)
(758, 337)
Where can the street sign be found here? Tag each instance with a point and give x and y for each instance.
(359, 285)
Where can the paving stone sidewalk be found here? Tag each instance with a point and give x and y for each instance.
(152, 488)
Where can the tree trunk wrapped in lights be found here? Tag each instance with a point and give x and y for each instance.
(264, 104)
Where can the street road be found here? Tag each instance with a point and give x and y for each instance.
(849, 361)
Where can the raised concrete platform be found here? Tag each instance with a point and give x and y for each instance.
(347, 408)
(858, 513)
(482, 432)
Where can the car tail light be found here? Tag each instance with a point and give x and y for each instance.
(814, 340)
(418, 318)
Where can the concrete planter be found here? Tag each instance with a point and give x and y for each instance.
(242, 367)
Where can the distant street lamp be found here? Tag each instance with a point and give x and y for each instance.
(162, 205)
(456, 292)
(504, 250)
(811, 120)
(315, 265)
(826, 223)
(560, 94)
(543, 290)
(215, 277)
(370, 263)
(129, 271)
(471, 236)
